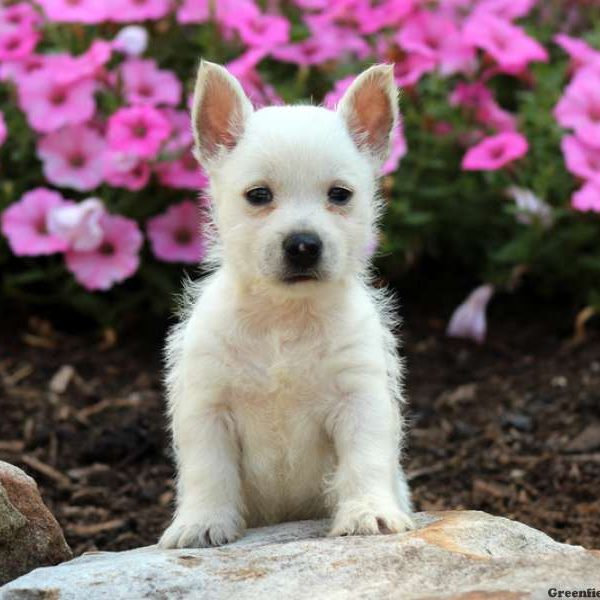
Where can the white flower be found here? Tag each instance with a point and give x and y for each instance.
(78, 224)
(530, 208)
(469, 319)
(132, 40)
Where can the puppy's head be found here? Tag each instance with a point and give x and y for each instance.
(294, 187)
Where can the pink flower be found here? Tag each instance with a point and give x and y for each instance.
(125, 11)
(131, 40)
(579, 107)
(127, 171)
(478, 98)
(408, 72)
(581, 159)
(145, 83)
(193, 11)
(3, 129)
(505, 9)
(73, 157)
(373, 17)
(506, 43)
(587, 198)
(75, 11)
(436, 37)
(78, 224)
(328, 42)
(17, 43)
(115, 259)
(332, 98)
(398, 151)
(582, 54)
(20, 15)
(469, 319)
(264, 31)
(175, 236)
(139, 130)
(494, 152)
(25, 224)
(183, 173)
(50, 105)
(181, 133)
(244, 69)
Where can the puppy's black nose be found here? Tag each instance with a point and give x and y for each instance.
(302, 250)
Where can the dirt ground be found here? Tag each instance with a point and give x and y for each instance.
(511, 427)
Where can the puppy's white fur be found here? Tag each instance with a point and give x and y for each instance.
(284, 397)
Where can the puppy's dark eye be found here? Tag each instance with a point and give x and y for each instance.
(259, 196)
(339, 195)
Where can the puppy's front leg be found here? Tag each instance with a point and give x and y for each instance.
(209, 503)
(366, 485)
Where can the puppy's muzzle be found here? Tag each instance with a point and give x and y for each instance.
(302, 253)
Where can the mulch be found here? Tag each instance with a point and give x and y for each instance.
(511, 427)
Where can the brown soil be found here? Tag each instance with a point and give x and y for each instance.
(511, 427)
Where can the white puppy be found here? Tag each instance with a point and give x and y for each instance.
(283, 378)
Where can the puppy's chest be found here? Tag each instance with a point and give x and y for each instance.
(274, 370)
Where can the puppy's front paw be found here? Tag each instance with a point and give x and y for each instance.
(368, 518)
(202, 531)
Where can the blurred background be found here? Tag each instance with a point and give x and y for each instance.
(491, 238)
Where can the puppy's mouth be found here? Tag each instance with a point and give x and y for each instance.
(293, 278)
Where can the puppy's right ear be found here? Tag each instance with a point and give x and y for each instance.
(219, 112)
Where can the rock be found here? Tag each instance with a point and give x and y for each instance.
(30, 537)
(452, 555)
(587, 440)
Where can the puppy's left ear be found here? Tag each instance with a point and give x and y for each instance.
(370, 110)
(220, 110)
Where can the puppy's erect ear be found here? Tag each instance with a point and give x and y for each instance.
(370, 109)
(219, 112)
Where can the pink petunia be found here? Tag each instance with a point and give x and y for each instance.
(126, 171)
(78, 224)
(264, 31)
(244, 69)
(505, 9)
(437, 38)
(17, 43)
(581, 159)
(582, 55)
(115, 259)
(50, 105)
(579, 107)
(181, 136)
(138, 130)
(193, 11)
(507, 44)
(372, 17)
(495, 152)
(408, 71)
(183, 173)
(145, 83)
(398, 150)
(75, 11)
(469, 320)
(73, 157)
(25, 224)
(21, 15)
(176, 236)
(126, 11)
(587, 198)
(478, 98)
(334, 96)
(3, 129)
